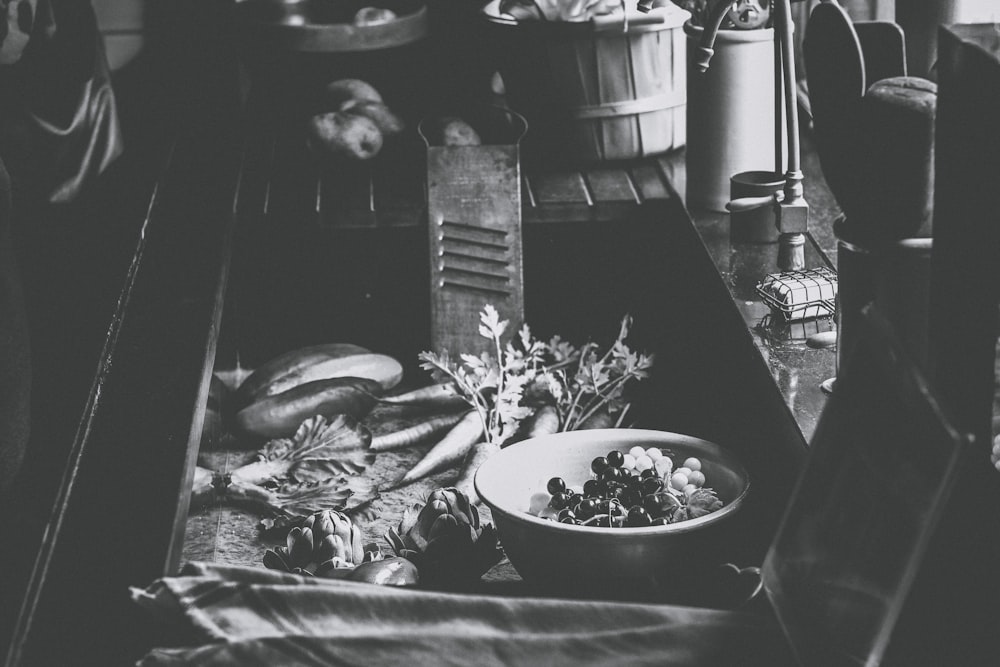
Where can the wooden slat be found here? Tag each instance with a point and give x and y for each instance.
(619, 135)
(611, 185)
(650, 181)
(563, 187)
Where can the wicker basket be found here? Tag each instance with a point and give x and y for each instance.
(596, 91)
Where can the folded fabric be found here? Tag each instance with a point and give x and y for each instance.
(251, 616)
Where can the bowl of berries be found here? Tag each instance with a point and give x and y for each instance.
(596, 510)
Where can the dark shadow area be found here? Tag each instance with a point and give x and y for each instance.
(75, 259)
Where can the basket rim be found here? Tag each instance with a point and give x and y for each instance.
(671, 21)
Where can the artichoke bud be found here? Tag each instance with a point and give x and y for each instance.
(327, 549)
(323, 524)
(430, 513)
(300, 546)
(339, 548)
(323, 537)
(444, 538)
(442, 526)
(373, 552)
(357, 555)
(292, 535)
(277, 559)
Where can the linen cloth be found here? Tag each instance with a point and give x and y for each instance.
(248, 616)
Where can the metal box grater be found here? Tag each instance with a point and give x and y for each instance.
(474, 230)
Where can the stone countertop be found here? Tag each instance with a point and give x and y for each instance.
(797, 369)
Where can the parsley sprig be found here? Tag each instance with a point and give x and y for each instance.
(599, 381)
(493, 384)
(507, 385)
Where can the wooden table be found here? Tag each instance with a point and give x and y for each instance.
(242, 257)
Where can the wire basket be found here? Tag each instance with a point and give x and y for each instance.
(800, 295)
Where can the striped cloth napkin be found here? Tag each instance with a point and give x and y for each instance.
(247, 616)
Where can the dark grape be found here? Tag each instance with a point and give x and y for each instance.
(616, 458)
(637, 517)
(599, 465)
(651, 485)
(609, 473)
(660, 504)
(631, 497)
(559, 500)
(555, 485)
(586, 508)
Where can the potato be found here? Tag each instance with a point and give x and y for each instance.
(339, 92)
(373, 16)
(456, 132)
(341, 133)
(388, 122)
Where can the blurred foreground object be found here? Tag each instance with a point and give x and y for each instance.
(59, 126)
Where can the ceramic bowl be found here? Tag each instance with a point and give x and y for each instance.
(320, 26)
(570, 557)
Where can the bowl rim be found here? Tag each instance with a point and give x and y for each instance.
(406, 28)
(644, 435)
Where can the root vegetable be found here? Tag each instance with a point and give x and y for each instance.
(340, 91)
(280, 415)
(437, 395)
(545, 420)
(339, 133)
(600, 419)
(384, 118)
(449, 452)
(456, 132)
(378, 367)
(292, 363)
(477, 455)
(415, 434)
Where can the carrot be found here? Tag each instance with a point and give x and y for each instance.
(597, 420)
(449, 452)
(544, 420)
(465, 481)
(411, 435)
(431, 395)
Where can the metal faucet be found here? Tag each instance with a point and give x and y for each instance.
(791, 208)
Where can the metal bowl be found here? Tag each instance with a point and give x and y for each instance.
(323, 26)
(576, 558)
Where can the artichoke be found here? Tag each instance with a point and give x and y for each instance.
(325, 541)
(444, 539)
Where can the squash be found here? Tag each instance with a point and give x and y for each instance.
(279, 416)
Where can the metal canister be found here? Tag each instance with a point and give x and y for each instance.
(902, 292)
